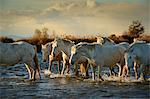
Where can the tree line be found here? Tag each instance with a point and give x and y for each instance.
(135, 30)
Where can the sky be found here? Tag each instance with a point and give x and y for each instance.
(20, 18)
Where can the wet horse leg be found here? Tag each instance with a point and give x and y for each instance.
(86, 69)
(36, 68)
(51, 59)
(76, 70)
(142, 73)
(64, 67)
(111, 70)
(50, 65)
(59, 62)
(135, 70)
(125, 72)
(99, 73)
(93, 72)
(121, 68)
(68, 67)
(82, 69)
(87, 73)
(30, 71)
(35, 71)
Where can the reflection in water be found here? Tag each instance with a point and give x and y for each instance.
(14, 84)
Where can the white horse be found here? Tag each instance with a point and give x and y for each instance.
(82, 61)
(46, 55)
(108, 42)
(62, 46)
(138, 56)
(99, 55)
(46, 51)
(20, 52)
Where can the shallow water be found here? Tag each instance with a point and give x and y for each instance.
(14, 84)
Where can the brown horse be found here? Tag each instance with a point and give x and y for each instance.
(46, 55)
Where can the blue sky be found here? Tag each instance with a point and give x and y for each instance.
(78, 17)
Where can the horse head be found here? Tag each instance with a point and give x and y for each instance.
(46, 50)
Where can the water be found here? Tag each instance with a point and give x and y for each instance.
(14, 84)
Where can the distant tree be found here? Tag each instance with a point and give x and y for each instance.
(37, 34)
(6, 39)
(135, 29)
(53, 34)
(44, 33)
(41, 34)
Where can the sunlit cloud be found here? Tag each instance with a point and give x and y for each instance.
(75, 17)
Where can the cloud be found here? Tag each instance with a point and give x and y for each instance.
(98, 17)
(91, 8)
(75, 17)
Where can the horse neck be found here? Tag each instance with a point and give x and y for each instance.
(67, 49)
(90, 50)
(49, 49)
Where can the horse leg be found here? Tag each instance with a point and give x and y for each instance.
(121, 70)
(99, 73)
(121, 67)
(29, 71)
(64, 67)
(59, 62)
(135, 71)
(37, 67)
(82, 69)
(34, 74)
(68, 67)
(125, 71)
(86, 69)
(50, 65)
(93, 72)
(110, 70)
(142, 74)
(76, 73)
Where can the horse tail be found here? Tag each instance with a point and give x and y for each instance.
(37, 66)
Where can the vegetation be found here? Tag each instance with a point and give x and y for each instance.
(5, 39)
(135, 30)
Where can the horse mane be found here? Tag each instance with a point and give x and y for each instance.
(66, 41)
(49, 43)
(108, 39)
(88, 45)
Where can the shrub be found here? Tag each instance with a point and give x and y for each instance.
(5, 39)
